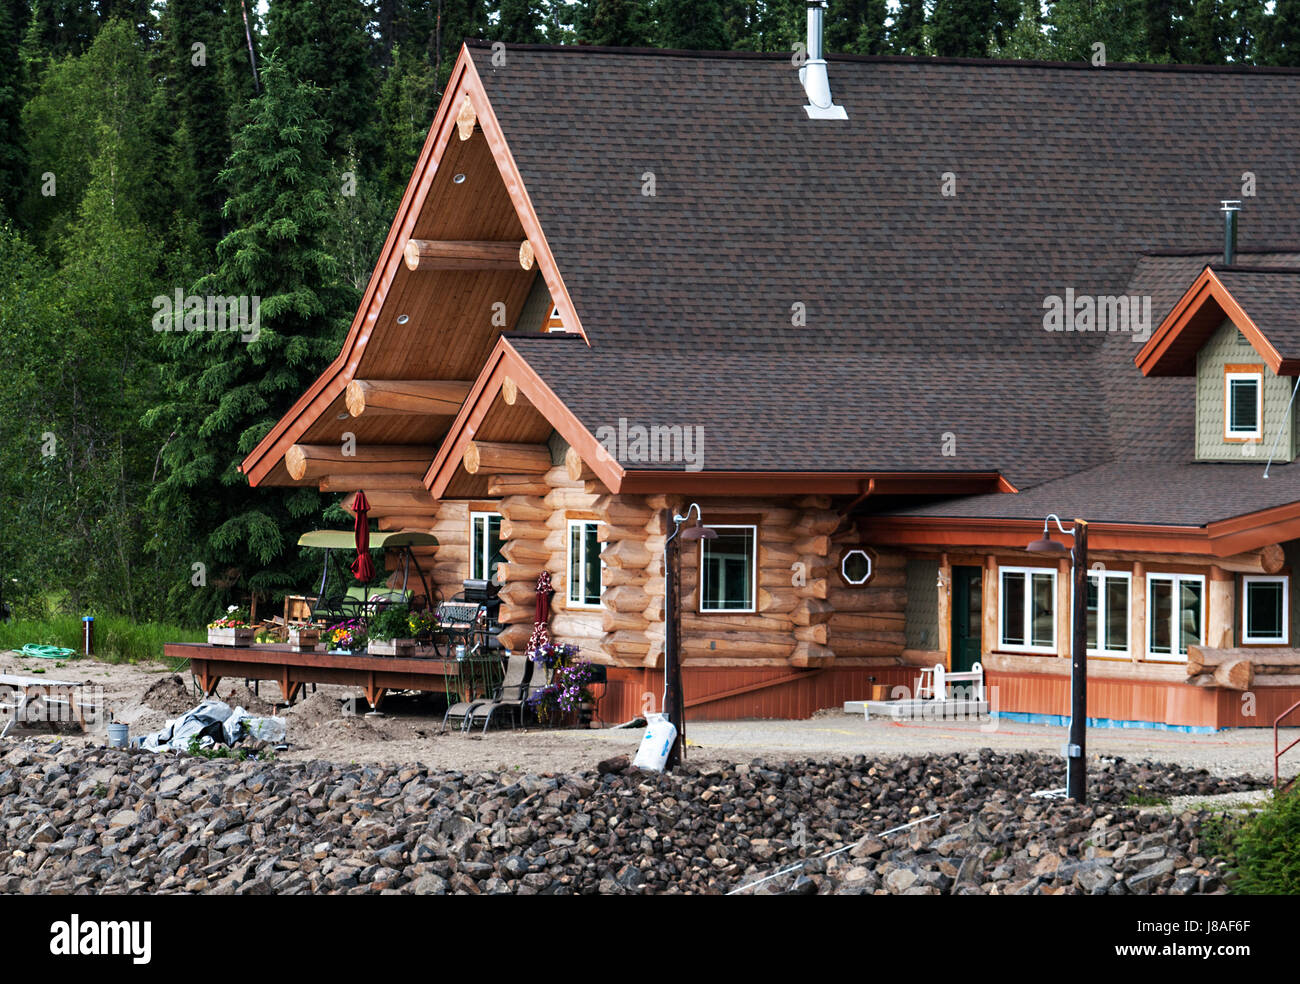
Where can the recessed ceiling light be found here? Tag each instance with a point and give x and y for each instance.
(344, 415)
(403, 319)
(459, 179)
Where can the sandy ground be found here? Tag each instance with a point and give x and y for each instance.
(145, 696)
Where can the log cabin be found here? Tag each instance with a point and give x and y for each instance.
(877, 343)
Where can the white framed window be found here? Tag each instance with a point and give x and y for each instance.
(484, 545)
(1175, 615)
(1243, 416)
(1265, 602)
(1027, 609)
(1109, 615)
(729, 570)
(585, 566)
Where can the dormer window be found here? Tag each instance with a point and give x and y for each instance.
(1243, 403)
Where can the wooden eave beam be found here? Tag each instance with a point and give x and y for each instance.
(315, 461)
(430, 254)
(495, 458)
(386, 397)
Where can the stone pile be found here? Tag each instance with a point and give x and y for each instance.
(110, 820)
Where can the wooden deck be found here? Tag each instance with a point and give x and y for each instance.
(375, 675)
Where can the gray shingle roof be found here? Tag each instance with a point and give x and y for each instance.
(924, 312)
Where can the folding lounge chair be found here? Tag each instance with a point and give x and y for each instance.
(513, 683)
(514, 690)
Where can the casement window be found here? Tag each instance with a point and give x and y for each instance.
(1243, 405)
(729, 570)
(1264, 610)
(1108, 612)
(1175, 615)
(584, 564)
(1027, 609)
(484, 545)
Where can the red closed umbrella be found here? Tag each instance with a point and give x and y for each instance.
(541, 633)
(363, 568)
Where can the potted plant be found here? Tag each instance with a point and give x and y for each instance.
(232, 629)
(303, 638)
(346, 637)
(422, 625)
(560, 700)
(391, 633)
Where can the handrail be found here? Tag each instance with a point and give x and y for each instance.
(1278, 754)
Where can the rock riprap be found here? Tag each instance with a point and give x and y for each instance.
(113, 820)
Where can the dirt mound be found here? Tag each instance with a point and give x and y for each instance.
(171, 695)
(243, 696)
(318, 709)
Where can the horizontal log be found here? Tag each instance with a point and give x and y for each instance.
(885, 637)
(524, 508)
(1266, 560)
(315, 461)
(849, 646)
(1201, 659)
(560, 499)
(1235, 674)
(404, 521)
(518, 571)
(612, 577)
(819, 545)
(614, 621)
(853, 622)
(577, 469)
(374, 481)
(491, 457)
(619, 511)
(626, 644)
(389, 397)
(508, 485)
(519, 593)
(812, 611)
(819, 634)
(627, 554)
(923, 657)
(383, 502)
(515, 637)
(465, 254)
(577, 625)
(514, 529)
(713, 622)
(776, 600)
(810, 655)
(626, 598)
(868, 599)
(525, 552)
(516, 613)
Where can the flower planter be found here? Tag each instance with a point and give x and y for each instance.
(347, 652)
(304, 640)
(230, 637)
(393, 647)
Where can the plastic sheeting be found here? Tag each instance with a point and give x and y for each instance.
(212, 723)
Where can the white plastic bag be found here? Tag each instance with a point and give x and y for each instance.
(660, 733)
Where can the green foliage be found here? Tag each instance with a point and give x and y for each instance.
(117, 639)
(1261, 850)
(614, 23)
(390, 623)
(691, 24)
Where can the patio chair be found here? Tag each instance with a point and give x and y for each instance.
(512, 683)
(515, 689)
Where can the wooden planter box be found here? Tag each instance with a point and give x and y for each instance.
(304, 640)
(394, 647)
(230, 637)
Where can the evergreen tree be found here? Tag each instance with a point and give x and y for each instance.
(907, 28)
(453, 23)
(856, 26)
(614, 24)
(201, 109)
(962, 28)
(691, 24)
(326, 43)
(1075, 27)
(521, 22)
(1206, 39)
(1161, 29)
(227, 388)
(14, 19)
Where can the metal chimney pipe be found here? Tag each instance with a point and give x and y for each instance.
(1230, 208)
(813, 73)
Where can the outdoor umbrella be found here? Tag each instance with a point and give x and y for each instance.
(363, 569)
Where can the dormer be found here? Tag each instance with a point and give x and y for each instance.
(1237, 331)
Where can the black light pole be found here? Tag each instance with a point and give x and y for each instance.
(674, 701)
(1076, 767)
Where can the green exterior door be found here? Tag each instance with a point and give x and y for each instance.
(967, 617)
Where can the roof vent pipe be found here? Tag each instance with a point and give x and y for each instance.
(1230, 210)
(813, 73)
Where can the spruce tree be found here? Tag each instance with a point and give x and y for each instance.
(14, 19)
(613, 23)
(856, 26)
(326, 43)
(521, 22)
(691, 24)
(228, 388)
(907, 28)
(962, 28)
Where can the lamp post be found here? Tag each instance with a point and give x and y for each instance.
(674, 702)
(1076, 767)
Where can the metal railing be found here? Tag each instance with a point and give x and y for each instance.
(1277, 754)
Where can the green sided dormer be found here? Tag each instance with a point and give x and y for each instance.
(1237, 330)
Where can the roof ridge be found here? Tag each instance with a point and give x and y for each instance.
(1210, 251)
(1235, 69)
(1235, 268)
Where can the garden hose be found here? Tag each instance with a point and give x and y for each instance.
(46, 652)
